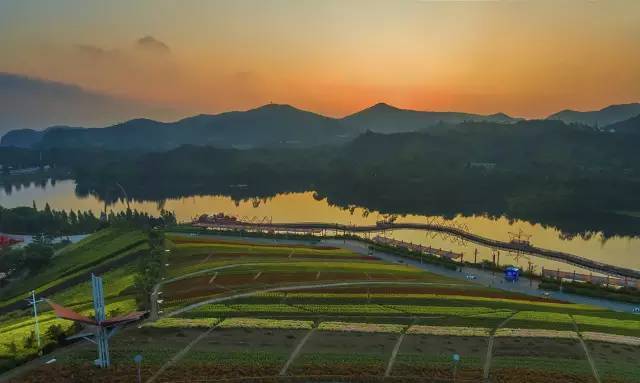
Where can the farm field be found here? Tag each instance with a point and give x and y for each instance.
(615, 362)
(551, 359)
(234, 311)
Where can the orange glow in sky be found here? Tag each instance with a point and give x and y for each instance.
(524, 58)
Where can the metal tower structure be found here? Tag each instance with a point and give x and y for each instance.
(34, 304)
(104, 328)
(101, 336)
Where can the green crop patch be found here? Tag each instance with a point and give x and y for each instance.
(182, 323)
(615, 362)
(611, 325)
(542, 320)
(265, 323)
(349, 309)
(483, 312)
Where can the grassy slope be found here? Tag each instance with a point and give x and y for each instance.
(106, 245)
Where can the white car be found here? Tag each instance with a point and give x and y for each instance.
(470, 276)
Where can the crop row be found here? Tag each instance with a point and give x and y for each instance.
(611, 338)
(624, 324)
(265, 323)
(535, 333)
(448, 330)
(361, 327)
(183, 323)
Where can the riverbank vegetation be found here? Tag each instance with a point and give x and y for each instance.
(49, 222)
(568, 176)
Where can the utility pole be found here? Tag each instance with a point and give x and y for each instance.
(34, 304)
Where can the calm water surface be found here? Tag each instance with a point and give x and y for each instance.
(295, 207)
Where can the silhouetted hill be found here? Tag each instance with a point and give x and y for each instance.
(266, 126)
(605, 116)
(384, 118)
(31, 103)
(630, 126)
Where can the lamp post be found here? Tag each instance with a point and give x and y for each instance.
(138, 361)
(456, 360)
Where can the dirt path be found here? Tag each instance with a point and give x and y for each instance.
(487, 359)
(596, 376)
(179, 355)
(396, 348)
(297, 350)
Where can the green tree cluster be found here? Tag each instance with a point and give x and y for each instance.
(151, 268)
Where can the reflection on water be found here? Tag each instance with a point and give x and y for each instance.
(297, 207)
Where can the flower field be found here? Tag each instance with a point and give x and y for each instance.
(361, 327)
(535, 333)
(381, 318)
(454, 331)
(266, 323)
(182, 323)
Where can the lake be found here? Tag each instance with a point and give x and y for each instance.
(296, 207)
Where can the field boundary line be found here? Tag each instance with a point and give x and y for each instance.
(489, 356)
(594, 370)
(207, 258)
(297, 349)
(396, 348)
(180, 354)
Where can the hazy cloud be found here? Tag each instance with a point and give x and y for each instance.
(150, 43)
(59, 103)
(94, 51)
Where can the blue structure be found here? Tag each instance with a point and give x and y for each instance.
(511, 274)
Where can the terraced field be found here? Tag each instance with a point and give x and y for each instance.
(233, 311)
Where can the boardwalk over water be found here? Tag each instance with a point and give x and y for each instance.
(525, 248)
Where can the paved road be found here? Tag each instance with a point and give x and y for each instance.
(483, 277)
(487, 278)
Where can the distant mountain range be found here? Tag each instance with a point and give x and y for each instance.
(31, 103)
(271, 125)
(599, 118)
(384, 118)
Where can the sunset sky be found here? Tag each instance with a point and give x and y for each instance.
(524, 58)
